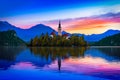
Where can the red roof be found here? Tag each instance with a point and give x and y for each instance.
(52, 33)
(65, 35)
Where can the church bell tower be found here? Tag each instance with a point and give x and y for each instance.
(59, 29)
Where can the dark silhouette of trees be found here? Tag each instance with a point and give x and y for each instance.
(46, 40)
(113, 40)
(9, 38)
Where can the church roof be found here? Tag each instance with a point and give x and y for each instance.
(65, 35)
(52, 33)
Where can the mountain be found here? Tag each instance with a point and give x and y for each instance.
(97, 37)
(113, 40)
(26, 34)
(6, 26)
(37, 30)
(9, 38)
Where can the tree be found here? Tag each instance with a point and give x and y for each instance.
(46, 40)
(35, 41)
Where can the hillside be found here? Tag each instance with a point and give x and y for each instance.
(113, 40)
(9, 38)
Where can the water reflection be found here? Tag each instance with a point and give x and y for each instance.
(100, 62)
(8, 56)
(59, 63)
(109, 54)
(54, 53)
(10, 53)
(58, 53)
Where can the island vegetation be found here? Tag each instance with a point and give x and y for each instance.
(46, 40)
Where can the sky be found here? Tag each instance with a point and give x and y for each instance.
(77, 16)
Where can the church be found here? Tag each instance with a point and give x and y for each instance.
(59, 29)
(60, 32)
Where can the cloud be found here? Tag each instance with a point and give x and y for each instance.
(73, 20)
(87, 24)
(112, 9)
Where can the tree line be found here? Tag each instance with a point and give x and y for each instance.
(46, 40)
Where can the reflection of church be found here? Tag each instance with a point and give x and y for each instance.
(60, 32)
(59, 63)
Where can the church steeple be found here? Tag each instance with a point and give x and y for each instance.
(59, 29)
(59, 24)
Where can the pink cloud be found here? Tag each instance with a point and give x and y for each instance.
(85, 23)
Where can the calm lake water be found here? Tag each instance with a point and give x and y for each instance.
(94, 63)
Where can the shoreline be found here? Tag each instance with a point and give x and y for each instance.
(63, 46)
(104, 46)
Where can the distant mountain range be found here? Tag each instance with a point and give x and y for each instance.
(97, 37)
(37, 30)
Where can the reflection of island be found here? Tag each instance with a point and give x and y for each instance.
(95, 62)
(45, 56)
(58, 53)
(51, 54)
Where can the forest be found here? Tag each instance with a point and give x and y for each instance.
(46, 40)
(113, 40)
(9, 38)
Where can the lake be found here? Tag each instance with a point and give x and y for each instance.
(60, 63)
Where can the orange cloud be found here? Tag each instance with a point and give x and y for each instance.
(86, 25)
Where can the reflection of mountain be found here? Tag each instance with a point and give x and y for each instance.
(42, 56)
(8, 56)
(109, 54)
